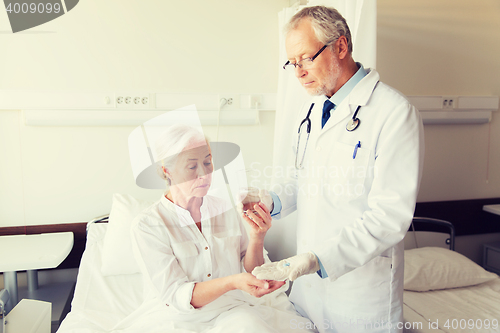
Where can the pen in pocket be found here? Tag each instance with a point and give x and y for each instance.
(358, 145)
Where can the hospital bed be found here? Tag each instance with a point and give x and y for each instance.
(109, 289)
(445, 291)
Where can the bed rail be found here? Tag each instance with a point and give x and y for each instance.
(99, 219)
(435, 225)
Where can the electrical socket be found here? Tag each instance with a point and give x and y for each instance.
(132, 100)
(229, 102)
(449, 102)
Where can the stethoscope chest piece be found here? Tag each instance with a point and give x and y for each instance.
(352, 124)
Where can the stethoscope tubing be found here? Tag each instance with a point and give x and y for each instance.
(308, 131)
(351, 125)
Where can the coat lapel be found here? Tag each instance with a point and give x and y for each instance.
(360, 95)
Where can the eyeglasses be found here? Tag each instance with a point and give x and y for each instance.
(304, 63)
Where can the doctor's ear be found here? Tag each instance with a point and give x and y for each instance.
(341, 47)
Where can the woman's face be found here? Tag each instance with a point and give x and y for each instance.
(192, 173)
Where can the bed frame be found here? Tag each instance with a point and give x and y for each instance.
(99, 219)
(434, 225)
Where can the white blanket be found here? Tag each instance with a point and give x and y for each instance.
(115, 304)
(470, 309)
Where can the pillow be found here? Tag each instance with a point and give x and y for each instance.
(117, 255)
(433, 268)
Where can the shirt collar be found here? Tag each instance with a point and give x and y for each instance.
(342, 93)
(184, 215)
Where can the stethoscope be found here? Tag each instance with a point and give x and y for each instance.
(351, 125)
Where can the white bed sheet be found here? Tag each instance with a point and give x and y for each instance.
(100, 302)
(114, 304)
(452, 306)
(415, 323)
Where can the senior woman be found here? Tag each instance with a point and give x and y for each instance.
(195, 254)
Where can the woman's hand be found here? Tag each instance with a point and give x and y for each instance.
(259, 218)
(259, 222)
(255, 287)
(207, 291)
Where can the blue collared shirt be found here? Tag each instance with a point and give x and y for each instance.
(276, 204)
(336, 99)
(346, 89)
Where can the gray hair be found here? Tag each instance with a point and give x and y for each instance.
(172, 142)
(327, 23)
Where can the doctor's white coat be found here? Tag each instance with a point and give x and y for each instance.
(353, 211)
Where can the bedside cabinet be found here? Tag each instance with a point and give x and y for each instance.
(29, 316)
(491, 257)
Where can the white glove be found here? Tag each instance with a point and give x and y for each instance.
(248, 197)
(291, 268)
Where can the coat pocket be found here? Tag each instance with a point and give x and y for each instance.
(364, 292)
(348, 168)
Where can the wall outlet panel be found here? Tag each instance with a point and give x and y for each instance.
(129, 100)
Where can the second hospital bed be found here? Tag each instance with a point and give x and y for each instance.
(444, 290)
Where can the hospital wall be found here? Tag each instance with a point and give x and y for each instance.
(68, 174)
(446, 48)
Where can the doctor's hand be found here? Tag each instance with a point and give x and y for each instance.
(255, 287)
(291, 268)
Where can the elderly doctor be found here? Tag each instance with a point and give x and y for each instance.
(355, 187)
